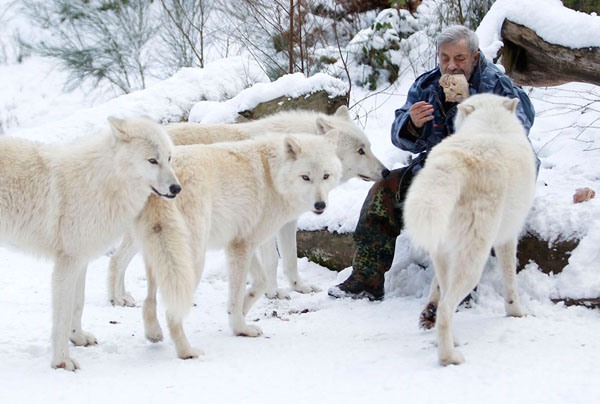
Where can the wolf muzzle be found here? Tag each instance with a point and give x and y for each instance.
(174, 189)
(319, 207)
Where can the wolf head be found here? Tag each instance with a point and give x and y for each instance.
(145, 146)
(307, 170)
(491, 107)
(353, 147)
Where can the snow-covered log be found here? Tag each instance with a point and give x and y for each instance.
(530, 60)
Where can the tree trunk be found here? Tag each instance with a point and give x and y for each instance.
(291, 39)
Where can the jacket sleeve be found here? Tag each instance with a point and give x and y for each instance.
(525, 111)
(404, 135)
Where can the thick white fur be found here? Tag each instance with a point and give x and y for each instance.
(353, 149)
(473, 194)
(70, 202)
(235, 196)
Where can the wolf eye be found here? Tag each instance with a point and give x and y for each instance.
(326, 176)
(152, 161)
(361, 151)
(306, 178)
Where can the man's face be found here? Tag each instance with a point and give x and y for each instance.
(455, 58)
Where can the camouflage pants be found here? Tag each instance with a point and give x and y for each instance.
(379, 225)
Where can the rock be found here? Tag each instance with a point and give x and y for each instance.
(319, 101)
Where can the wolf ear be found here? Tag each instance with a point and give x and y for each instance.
(323, 125)
(342, 112)
(292, 147)
(511, 104)
(118, 127)
(465, 109)
(333, 136)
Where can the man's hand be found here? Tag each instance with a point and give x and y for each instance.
(420, 112)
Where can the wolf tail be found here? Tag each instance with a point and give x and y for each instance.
(429, 205)
(168, 256)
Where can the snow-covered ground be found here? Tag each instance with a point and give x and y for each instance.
(314, 348)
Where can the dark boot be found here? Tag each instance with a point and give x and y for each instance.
(356, 289)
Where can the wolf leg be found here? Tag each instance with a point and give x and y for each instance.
(447, 304)
(78, 336)
(457, 276)
(182, 345)
(288, 248)
(270, 260)
(239, 255)
(116, 272)
(64, 283)
(427, 317)
(259, 278)
(152, 328)
(506, 254)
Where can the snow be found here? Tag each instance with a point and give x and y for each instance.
(290, 85)
(314, 348)
(548, 18)
(166, 101)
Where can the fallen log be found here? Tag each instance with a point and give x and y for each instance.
(335, 251)
(590, 303)
(529, 60)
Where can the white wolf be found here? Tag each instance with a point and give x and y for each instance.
(353, 149)
(70, 202)
(473, 194)
(235, 196)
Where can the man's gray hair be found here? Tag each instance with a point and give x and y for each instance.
(456, 33)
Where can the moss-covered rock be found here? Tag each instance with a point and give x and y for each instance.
(319, 101)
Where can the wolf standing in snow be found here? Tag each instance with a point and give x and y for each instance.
(69, 203)
(235, 196)
(353, 149)
(473, 194)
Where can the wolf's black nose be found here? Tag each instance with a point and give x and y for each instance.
(385, 173)
(175, 189)
(320, 205)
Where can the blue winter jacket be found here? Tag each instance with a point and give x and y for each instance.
(486, 78)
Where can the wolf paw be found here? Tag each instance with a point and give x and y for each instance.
(66, 364)
(513, 310)
(154, 334)
(190, 353)
(455, 357)
(280, 294)
(302, 287)
(124, 300)
(81, 338)
(249, 331)
(427, 317)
